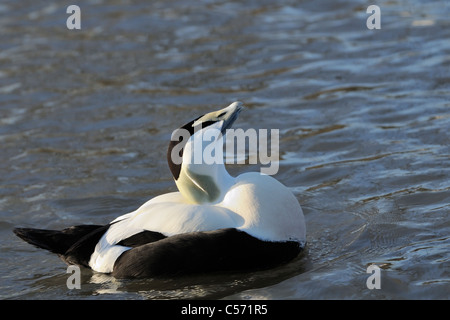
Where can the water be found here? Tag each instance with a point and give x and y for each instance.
(364, 116)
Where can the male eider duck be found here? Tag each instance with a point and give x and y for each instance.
(215, 222)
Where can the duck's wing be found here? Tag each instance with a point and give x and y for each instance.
(141, 238)
(80, 252)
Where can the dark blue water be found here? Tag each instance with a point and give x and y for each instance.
(364, 118)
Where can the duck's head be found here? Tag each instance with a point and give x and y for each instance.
(195, 155)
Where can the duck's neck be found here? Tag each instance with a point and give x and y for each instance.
(199, 188)
(202, 180)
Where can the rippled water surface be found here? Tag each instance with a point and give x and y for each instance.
(364, 119)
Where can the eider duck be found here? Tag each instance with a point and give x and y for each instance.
(214, 223)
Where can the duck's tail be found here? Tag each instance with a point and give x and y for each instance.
(66, 242)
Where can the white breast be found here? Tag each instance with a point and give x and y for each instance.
(269, 209)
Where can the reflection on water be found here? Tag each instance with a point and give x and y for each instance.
(85, 118)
